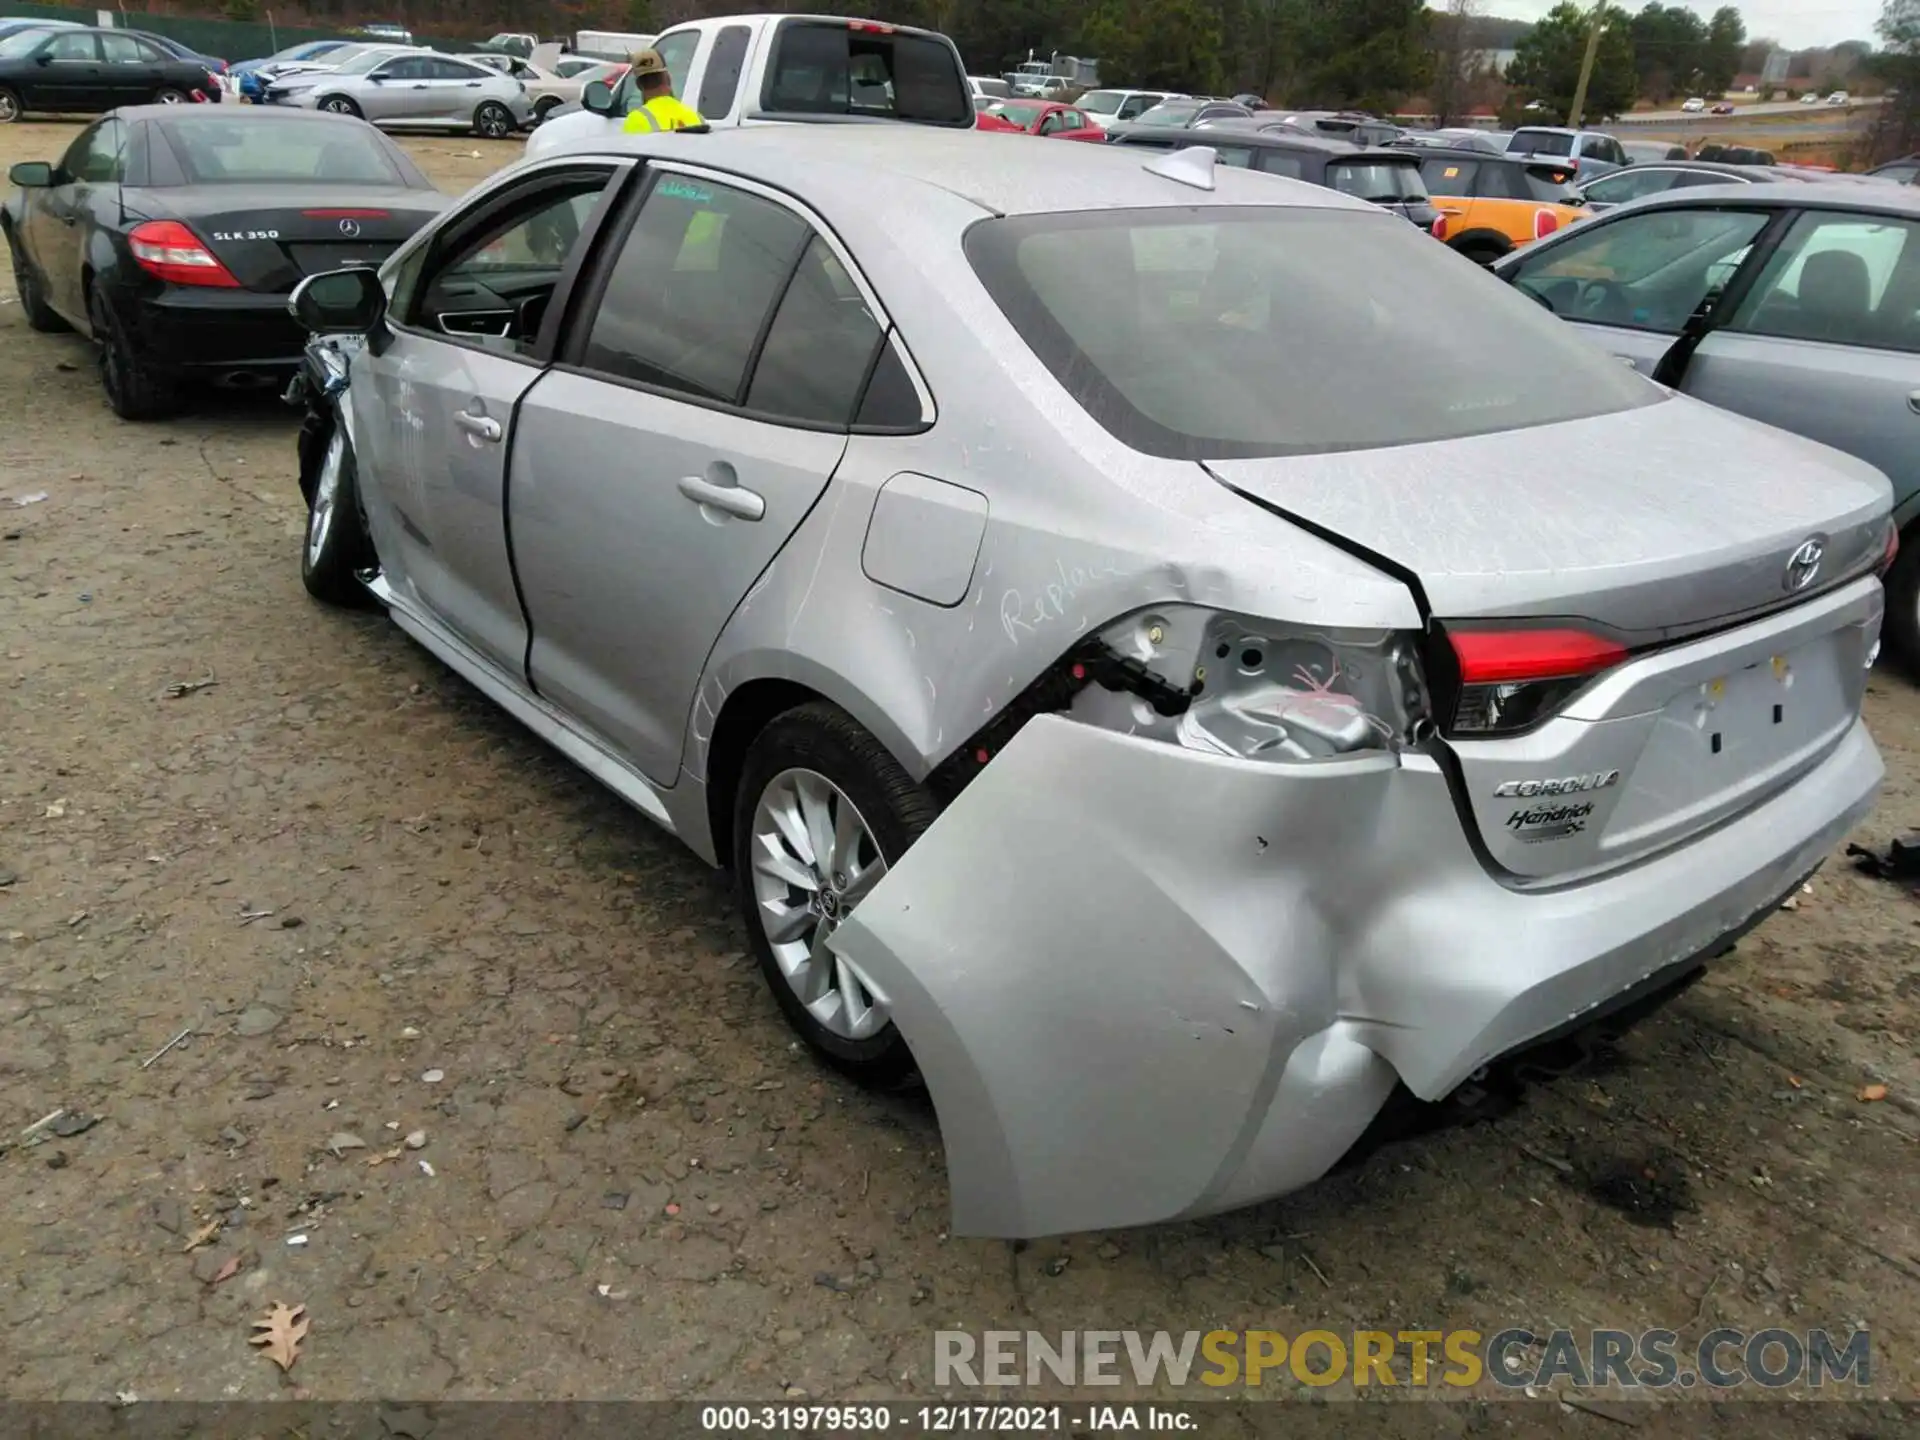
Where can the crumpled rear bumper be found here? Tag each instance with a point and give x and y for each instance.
(1144, 983)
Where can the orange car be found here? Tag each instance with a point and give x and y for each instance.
(1491, 204)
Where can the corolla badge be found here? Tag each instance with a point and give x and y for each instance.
(1803, 566)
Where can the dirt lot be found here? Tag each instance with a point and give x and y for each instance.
(384, 909)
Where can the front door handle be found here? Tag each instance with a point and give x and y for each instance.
(481, 427)
(1913, 402)
(733, 500)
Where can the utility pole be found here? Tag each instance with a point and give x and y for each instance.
(1586, 65)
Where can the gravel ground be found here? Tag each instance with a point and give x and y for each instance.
(481, 1074)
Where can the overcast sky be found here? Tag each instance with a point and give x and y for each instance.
(1794, 23)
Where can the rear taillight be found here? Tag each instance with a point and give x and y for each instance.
(1512, 679)
(1545, 222)
(872, 27)
(170, 251)
(1439, 227)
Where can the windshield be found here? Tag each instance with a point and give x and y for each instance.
(1250, 331)
(1168, 113)
(22, 43)
(1102, 102)
(1541, 142)
(1382, 181)
(1016, 113)
(221, 151)
(822, 67)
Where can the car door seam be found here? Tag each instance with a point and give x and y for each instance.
(1671, 368)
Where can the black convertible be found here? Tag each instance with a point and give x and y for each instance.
(172, 235)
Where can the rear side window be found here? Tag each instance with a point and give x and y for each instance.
(1544, 184)
(1246, 331)
(1540, 142)
(838, 68)
(819, 348)
(722, 80)
(1278, 162)
(692, 287)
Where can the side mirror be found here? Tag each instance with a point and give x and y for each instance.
(598, 97)
(339, 302)
(45, 57)
(31, 174)
(379, 77)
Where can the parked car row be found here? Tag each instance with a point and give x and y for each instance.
(83, 69)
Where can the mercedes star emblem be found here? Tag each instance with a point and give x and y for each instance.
(351, 228)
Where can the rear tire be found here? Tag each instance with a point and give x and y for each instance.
(493, 121)
(1901, 629)
(1481, 253)
(835, 763)
(33, 300)
(169, 95)
(544, 108)
(340, 105)
(134, 390)
(10, 109)
(336, 547)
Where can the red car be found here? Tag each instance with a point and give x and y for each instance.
(1040, 117)
(1723, 108)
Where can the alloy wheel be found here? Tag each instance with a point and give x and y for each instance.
(814, 858)
(9, 108)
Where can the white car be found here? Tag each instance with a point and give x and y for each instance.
(1809, 99)
(1693, 106)
(1839, 97)
(1111, 107)
(987, 89)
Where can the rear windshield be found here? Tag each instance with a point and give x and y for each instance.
(246, 152)
(1240, 332)
(836, 68)
(1540, 142)
(1168, 112)
(1382, 181)
(1550, 186)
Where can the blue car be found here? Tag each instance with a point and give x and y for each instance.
(248, 72)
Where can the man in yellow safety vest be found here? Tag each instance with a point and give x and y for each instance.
(658, 109)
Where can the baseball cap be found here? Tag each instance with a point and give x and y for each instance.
(648, 62)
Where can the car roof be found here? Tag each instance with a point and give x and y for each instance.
(1467, 152)
(249, 114)
(1272, 139)
(838, 165)
(1893, 200)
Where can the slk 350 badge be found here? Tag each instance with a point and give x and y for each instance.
(1567, 785)
(246, 234)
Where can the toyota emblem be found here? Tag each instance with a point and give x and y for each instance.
(351, 228)
(1803, 566)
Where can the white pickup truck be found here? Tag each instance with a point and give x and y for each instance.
(757, 69)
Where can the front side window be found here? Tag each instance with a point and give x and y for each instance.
(691, 288)
(1450, 176)
(73, 47)
(1844, 279)
(1237, 332)
(95, 158)
(1137, 105)
(1644, 271)
(489, 282)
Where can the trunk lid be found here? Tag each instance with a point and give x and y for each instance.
(1671, 529)
(272, 237)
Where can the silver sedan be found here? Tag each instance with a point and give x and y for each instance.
(1136, 691)
(418, 90)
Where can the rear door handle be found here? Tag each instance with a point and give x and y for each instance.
(1913, 402)
(482, 427)
(733, 500)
